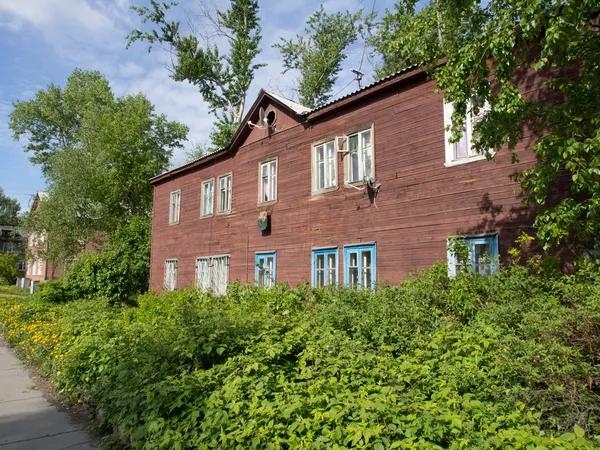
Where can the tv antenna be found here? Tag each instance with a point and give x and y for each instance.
(358, 75)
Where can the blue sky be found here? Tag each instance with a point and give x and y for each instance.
(42, 41)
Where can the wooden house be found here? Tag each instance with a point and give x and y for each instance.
(364, 189)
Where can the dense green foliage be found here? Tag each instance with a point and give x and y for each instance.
(9, 210)
(507, 361)
(319, 54)
(97, 152)
(556, 42)
(222, 78)
(8, 268)
(118, 273)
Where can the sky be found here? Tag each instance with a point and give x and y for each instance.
(43, 41)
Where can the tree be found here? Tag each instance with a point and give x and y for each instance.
(223, 79)
(489, 48)
(319, 55)
(9, 210)
(97, 173)
(8, 268)
(198, 151)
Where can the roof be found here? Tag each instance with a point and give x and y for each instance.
(296, 107)
(299, 110)
(42, 195)
(365, 88)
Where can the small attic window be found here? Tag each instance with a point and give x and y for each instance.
(271, 117)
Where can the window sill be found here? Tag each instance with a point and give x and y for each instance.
(224, 213)
(320, 192)
(271, 203)
(173, 223)
(459, 162)
(207, 216)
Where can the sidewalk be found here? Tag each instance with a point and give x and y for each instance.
(27, 420)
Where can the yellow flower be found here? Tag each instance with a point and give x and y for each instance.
(58, 373)
(78, 400)
(87, 379)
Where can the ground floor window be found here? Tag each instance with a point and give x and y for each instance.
(170, 274)
(265, 269)
(476, 253)
(325, 267)
(212, 274)
(360, 266)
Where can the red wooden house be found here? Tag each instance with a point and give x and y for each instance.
(361, 190)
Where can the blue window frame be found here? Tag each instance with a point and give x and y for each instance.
(265, 269)
(325, 267)
(483, 255)
(360, 266)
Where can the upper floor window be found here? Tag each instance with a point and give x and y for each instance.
(224, 194)
(325, 171)
(268, 181)
(212, 273)
(174, 207)
(360, 156)
(265, 269)
(170, 274)
(478, 254)
(462, 151)
(208, 189)
(325, 267)
(360, 266)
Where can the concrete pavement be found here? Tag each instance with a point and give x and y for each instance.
(27, 420)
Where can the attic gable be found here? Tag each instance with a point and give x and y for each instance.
(279, 114)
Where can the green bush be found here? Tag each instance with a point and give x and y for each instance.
(53, 291)
(8, 268)
(499, 362)
(118, 273)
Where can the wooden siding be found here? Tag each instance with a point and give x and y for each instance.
(420, 204)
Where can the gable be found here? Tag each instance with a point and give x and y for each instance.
(284, 119)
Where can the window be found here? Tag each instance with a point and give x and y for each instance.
(360, 156)
(40, 261)
(174, 207)
(268, 182)
(482, 253)
(265, 269)
(324, 267)
(207, 198)
(212, 274)
(170, 274)
(325, 176)
(360, 265)
(21, 266)
(462, 151)
(224, 194)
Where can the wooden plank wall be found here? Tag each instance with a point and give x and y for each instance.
(420, 204)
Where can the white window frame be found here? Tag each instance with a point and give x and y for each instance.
(330, 173)
(469, 119)
(174, 207)
(361, 156)
(209, 279)
(271, 181)
(223, 209)
(170, 284)
(203, 208)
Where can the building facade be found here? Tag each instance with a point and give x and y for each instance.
(362, 190)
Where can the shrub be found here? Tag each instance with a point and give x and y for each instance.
(53, 291)
(8, 268)
(118, 273)
(506, 361)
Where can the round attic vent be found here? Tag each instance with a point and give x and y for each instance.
(271, 117)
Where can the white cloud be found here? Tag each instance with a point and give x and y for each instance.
(43, 13)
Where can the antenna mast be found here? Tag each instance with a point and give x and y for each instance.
(359, 75)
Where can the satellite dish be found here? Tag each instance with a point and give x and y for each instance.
(261, 116)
